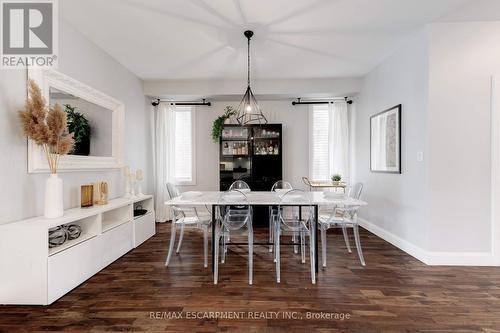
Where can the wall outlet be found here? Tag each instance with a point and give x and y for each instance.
(420, 156)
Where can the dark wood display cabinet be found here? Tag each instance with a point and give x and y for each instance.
(252, 153)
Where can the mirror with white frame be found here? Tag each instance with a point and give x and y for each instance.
(95, 119)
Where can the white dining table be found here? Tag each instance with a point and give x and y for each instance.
(264, 198)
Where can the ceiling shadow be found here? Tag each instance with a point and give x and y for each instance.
(301, 11)
(203, 5)
(318, 52)
(198, 59)
(237, 4)
(161, 11)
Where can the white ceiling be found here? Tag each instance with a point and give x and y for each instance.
(203, 39)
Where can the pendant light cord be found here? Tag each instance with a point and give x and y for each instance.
(248, 65)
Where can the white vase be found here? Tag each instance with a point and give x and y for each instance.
(54, 197)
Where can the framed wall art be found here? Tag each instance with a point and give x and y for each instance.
(385, 141)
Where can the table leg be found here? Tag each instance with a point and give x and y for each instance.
(213, 237)
(316, 238)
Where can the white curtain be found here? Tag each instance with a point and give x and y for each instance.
(338, 139)
(163, 121)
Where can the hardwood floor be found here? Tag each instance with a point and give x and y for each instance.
(393, 293)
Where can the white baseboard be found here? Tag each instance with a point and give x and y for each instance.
(430, 257)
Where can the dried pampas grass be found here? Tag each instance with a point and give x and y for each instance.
(46, 126)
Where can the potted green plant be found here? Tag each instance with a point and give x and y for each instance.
(80, 127)
(336, 178)
(218, 124)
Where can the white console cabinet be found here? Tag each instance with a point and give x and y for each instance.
(33, 273)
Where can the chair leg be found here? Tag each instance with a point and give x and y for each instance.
(223, 247)
(181, 236)
(346, 238)
(312, 252)
(294, 240)
(228, 239)
(250, 257)
(271, 224)
(216, 255)
(274, 241)
(358, 244)
(172, 243)
(277, 251)
(323, 244)
(205, 246)
(303, 247)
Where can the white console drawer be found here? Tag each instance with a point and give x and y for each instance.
(144, 228)
(69, 268)
(116, 242)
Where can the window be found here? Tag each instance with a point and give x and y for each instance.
(318, 147)
(184, 140)
(328, 141)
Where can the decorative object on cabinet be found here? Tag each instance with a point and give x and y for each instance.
(249, 111)
(73, 231)
(385, 141)
(105, 113)
(86, 196)
(218, 124)
(132, 184)
(57, 236)
(53, 205)
(46, 127)
(80, 127)
(126, 173)
(139, 211)
(139, 178)
(101, 193)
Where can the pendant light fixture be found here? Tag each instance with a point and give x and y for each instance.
(248, 110)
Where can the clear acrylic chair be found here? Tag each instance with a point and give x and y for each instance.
(344, 215)
(234, 215)
(239, 185)
(191, 216)
(295, 216)
(280, 187)
(307, 182)
(354, 192)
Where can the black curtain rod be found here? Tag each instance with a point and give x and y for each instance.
(299, 102)
(157, 101)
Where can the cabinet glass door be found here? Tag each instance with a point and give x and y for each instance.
(235, 133)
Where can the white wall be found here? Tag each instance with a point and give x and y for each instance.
(438, 210)
(463, 57)
(22, 193)
(396, 202)
(295, 141)
(232, 89)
